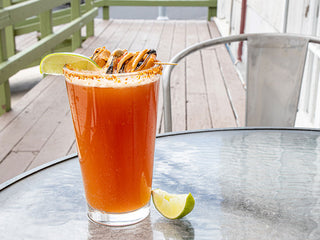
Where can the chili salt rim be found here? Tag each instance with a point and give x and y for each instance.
(94, 75)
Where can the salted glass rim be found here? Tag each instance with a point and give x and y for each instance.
(155, 70)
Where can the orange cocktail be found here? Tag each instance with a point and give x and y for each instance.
(114, 117)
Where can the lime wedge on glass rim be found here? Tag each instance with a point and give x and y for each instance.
(54, 63)
(172, 206)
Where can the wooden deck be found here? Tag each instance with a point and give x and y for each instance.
(206, 92)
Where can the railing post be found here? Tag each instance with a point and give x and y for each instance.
(212, 10)
(11, 47)
(3, 46)
(105, 12)
(7, 49)
(75, 13)
(5, 95)
(162, 13)
(45, 23)
(90, 25)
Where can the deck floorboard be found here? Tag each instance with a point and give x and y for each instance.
(206, 91)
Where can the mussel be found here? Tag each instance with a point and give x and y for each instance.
(100, 56)
(113, 60)
(122, 61)
(148, 62)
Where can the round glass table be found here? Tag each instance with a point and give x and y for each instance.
(247, 183)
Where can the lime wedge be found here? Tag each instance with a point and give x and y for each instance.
(172, 206)
(54, 63)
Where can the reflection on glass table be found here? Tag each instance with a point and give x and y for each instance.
(247, 183)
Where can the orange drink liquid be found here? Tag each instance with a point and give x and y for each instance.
(115, 125)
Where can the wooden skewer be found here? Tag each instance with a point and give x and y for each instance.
(166, 63)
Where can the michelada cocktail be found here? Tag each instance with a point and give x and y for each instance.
(114, 112)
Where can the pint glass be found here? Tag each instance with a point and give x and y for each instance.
(114, 118)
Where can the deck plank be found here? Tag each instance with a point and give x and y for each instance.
(153, 42)
(129, 39)
(100, 40)
(142, 36)
(61, 139)
(154, 35)
(15, 131)
(100, 26)
(21, 105)
(205, 91)
(73, 148)
(235, 88)
(219, 104)
(15, 164)
(113, 41)
(197, 101)
(163, 52)
(178, 86)
(46, 123)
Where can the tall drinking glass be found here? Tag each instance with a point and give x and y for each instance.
(114, 117)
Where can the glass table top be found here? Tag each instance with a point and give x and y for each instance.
(247, 184)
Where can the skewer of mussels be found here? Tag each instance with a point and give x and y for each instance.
(122, 61)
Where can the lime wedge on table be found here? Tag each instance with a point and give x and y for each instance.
(172, 206)
(54, 63)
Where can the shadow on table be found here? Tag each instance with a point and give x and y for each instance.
(161, 229)
(142, 230)
(174, 229)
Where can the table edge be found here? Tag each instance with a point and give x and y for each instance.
(74, 155)
(35, 170)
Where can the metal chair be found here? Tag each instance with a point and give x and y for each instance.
(275, 66)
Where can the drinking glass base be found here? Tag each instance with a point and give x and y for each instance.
(118, 219)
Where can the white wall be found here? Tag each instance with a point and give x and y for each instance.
(269, 13)
(269, 16)
(262, 16)
(296, 16)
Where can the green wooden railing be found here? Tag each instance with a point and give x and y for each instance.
(20, 17)
(211, 4)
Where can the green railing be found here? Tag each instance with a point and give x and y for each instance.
(20, 17)
(211, 4)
